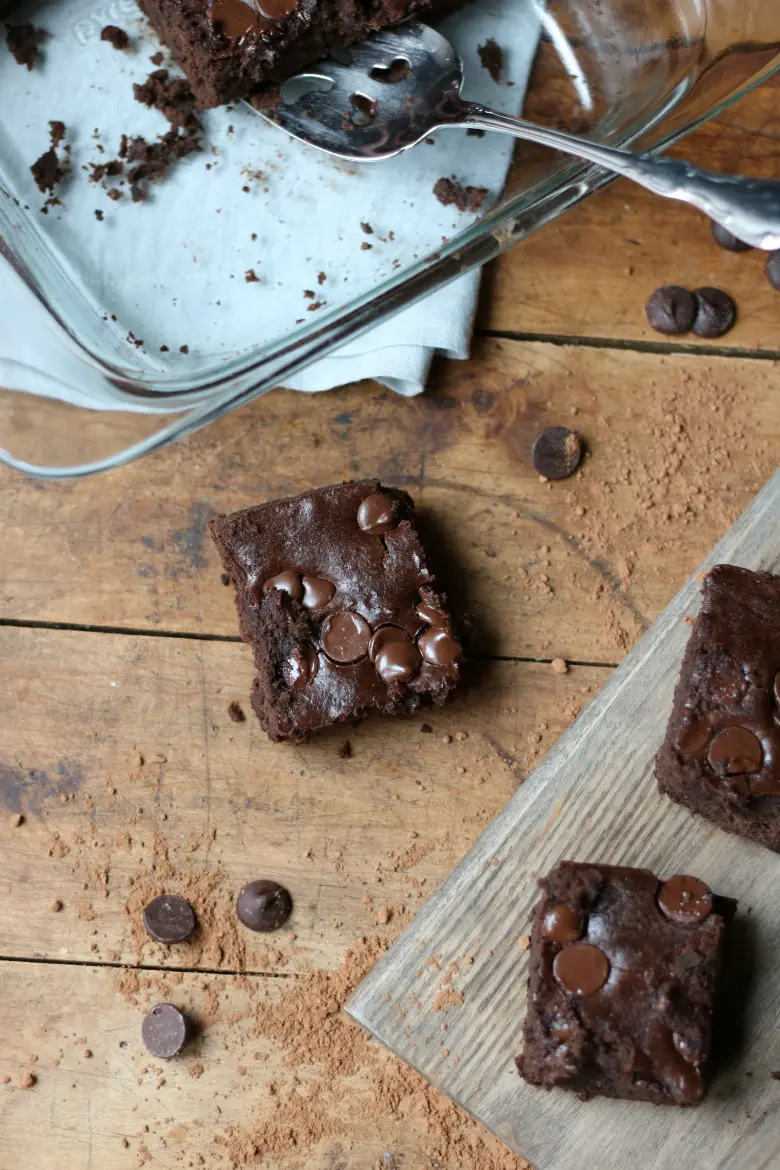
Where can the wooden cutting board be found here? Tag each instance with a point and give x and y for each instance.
(450, 995)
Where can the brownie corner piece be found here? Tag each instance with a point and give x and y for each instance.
(623, 978)
(721, 754)
(336, 598)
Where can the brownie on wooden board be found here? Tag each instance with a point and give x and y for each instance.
(230, 48)
(622, 983)
(721, 755)
(335, 596)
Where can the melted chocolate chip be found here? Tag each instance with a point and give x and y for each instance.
(237, 18)
(345, 637)
(398, 662)
(735, 751)
(726, 239)
(317, 592)
(263, 905)
(300, 668)
(431, 615)
(439, 648)
(562, 924)
(384, 635)
(693, 736)
(169, 919)
(685, 900)
(277, 9)
(288, 582)
(581, 969)
(376, 514)
(164, 1031)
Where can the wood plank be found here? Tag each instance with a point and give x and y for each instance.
(132, 550)
(590, 272)
(118, 1109)
(215, 804)
(593, 798)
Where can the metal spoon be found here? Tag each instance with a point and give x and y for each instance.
(388, 93)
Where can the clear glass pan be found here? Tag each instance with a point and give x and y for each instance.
(639, 72)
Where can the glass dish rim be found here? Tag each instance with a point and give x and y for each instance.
(205, 398)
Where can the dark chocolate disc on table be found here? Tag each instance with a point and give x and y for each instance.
(556, 453)
(263, 905)
(164, 1031)
(169, 919)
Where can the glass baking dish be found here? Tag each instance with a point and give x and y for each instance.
(627, 72)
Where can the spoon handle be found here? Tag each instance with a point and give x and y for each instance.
(748, 208)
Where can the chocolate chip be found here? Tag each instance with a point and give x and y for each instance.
(300, 668)
(398, 662)
(345, 637)
(376, 514)
(772, 270)
(164, 1031)
(169, 919)
(725, 239)
(431, 615)
(556, 453)
(288, 582)
(381, 637)
(693, 736)
(735, 751)
(581, 969)
(263, 905)
(439, 648)
(715, 312)
(562, 924)
(317, 592)
(685, 899)
(671, 310)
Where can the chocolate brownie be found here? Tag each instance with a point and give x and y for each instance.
(335, 596)
(622, 984)
(721, 755)
(230, 48)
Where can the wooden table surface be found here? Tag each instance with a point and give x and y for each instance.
(120, 657)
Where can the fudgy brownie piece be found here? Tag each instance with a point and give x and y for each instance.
(622, 983)
(230, 48)
(335, 596)
(721, 755)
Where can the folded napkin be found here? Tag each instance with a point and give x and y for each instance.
(305, 187)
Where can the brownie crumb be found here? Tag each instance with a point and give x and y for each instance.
(367, 228)
(47, 171)
(366, 247)
(185, 349)
(251, 277)
(310, 294)
(23, 42)
(27, 1080)
(157, 58)
(321, 278)
(491, 56)
(314, 305)
(426, 729)
(223, 577)
(345, 751)
(57, 131)
(99, 215)
(450, 191)
(117, 37)
(473, 132)
(235, 712)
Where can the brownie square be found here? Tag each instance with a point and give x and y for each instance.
(622, 983)
(721, 755)
(228, 49)
(335, 596)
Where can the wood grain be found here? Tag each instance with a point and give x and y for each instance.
(223, 803)
(133, 551)
(589, 273)
(592, 799)
(109, 1111)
